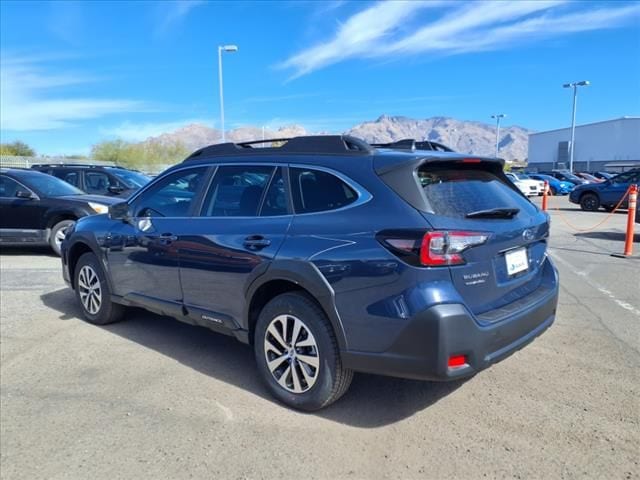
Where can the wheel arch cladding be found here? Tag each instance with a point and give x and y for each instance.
(287, 276)
(75, 252)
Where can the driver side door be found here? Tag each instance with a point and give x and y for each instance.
(143, 251)
(617, 187)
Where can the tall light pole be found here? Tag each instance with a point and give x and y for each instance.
(498, 116)
(223, 48)
(575, 86)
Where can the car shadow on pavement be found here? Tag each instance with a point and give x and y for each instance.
(372, 401)
(614, 236)
(27, 250)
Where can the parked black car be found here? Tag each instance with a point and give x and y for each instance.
(329, 256)
(97, 179)
(37, 209)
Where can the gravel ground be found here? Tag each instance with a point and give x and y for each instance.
(153, 398)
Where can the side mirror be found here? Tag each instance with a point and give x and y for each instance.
(115, 189)
(26, 195)
(120, 211)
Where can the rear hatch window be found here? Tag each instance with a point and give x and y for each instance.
(469, 192)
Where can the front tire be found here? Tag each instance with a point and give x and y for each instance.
(58, 233)
(93, 293)
(297, 353)
(590, 202)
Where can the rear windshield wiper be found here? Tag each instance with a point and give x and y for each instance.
(494, 213)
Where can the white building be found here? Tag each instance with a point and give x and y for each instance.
(598, 146)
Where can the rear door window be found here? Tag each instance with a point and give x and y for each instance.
(318, 191)
(69, 176)
(237, 191)
(98, 182)
(458, 192)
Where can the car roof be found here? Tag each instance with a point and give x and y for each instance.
(316, 150)
(21, 172)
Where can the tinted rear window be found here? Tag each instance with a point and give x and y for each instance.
(455, 193)
(318, 191)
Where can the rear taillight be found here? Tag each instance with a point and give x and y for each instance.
(432, 249)
(445, 248)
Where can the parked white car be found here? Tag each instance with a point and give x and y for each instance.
(526, 185)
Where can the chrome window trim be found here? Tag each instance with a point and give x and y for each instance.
(158, 179)
(363, 195)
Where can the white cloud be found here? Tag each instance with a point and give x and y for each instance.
(438, 34)
(28, 100)
(136, 132)
(173, 12)
(376, 32)
(357, 35)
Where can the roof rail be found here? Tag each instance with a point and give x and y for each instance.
(413, 145)
(65, 164)
(323, 144)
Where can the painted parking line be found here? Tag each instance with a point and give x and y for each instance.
(589, 281)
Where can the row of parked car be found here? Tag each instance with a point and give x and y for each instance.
(591, 191)
(38, 205)
(37, 209)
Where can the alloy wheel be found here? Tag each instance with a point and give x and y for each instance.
(291, 352)
(90, 289)
(60, 236)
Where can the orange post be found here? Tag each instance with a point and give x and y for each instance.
(544, 196)
(633, 198)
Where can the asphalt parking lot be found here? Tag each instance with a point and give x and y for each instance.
(153, 398)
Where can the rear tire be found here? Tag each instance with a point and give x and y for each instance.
(305, 372)
(93, 293)
(552, 191)
(589, 202)
(58, 233)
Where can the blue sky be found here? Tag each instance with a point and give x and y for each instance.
(75, 73)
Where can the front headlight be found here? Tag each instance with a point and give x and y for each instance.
(99, 207)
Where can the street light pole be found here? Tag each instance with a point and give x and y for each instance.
(498, 116)
(223, 48)
(575, 86)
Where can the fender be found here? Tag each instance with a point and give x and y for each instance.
(306, 275)
(88, 239)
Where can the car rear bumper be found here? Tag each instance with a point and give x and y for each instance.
(434, 335)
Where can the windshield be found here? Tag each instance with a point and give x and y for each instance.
(522, 176)
(129, 178)
(47, 185)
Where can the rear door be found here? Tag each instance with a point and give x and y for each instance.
(470, 199)
(244, 219)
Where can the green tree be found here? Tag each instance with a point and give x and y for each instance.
(17, 148)
(143, 155)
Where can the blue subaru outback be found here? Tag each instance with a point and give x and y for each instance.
(329, 256)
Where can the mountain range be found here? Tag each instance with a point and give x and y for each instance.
(474, 138)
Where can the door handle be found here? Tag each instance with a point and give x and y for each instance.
(256, 242)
